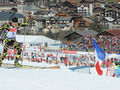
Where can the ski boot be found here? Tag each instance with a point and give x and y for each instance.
(17, 64)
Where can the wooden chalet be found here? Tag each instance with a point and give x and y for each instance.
(80, 23)
(72, 36)
(79, 34)
(68, 4)
(115, 33)
(74, 2)
(62, 14)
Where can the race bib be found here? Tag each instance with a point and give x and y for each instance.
(12, 33)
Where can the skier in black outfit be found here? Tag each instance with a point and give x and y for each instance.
(10, 39)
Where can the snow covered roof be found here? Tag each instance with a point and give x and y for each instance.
(31, 7)
(35, 39)
(110, 19)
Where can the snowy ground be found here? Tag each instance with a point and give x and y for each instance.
(54, 79)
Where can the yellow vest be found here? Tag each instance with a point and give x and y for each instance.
(116, 66)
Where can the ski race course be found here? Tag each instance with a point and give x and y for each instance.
(54, 79)
(45, 70)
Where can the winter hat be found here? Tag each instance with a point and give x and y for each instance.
(15, 19)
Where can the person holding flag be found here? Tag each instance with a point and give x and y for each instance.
(100, 56)
(10, 39)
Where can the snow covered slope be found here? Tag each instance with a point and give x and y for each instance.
(54, 79)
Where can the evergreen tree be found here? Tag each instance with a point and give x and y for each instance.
(50, 34)
(96, 25)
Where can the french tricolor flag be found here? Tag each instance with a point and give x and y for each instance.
(100, 56)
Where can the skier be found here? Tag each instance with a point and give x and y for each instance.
(10, 39)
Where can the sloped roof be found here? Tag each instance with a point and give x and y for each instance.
(41, 18)
(75, 2)
(58, 18)
(87, 32)
(41, 12)
(113, 32)
(29, 0)
(7, 15)
(85, 1)
(64, 18)
(31, 7)
(99, 8)
(91, 1)
(45, 12)
(83, 33)
(68, 4)
(73, 34)
(117, 5)
(110, 19)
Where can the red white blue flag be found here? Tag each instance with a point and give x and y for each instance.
(100, 56)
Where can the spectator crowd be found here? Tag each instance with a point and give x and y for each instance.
(109, 44)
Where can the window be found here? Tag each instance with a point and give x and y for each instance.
(82, 23)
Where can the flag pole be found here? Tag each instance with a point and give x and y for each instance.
(108, 64)
(23, 45)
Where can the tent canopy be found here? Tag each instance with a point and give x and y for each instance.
(35, 39)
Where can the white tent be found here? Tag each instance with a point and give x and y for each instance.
(30, 39)
(35, 39)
